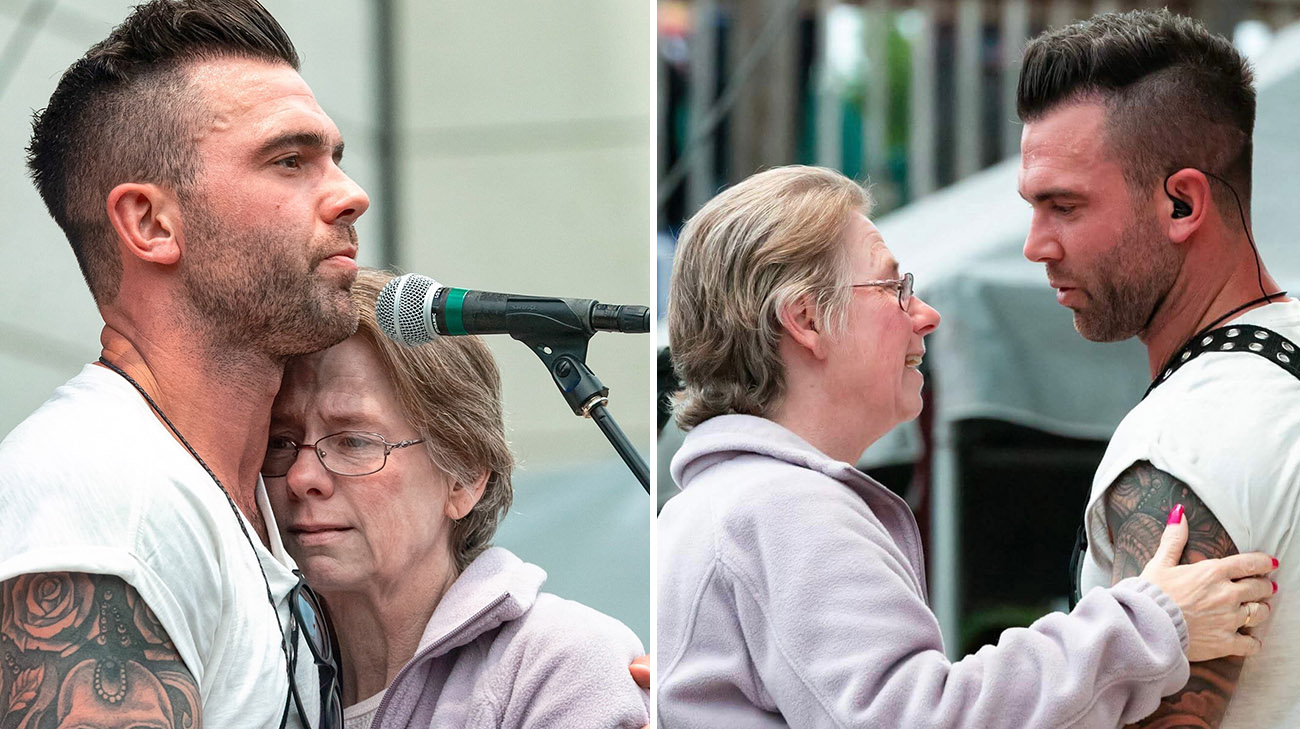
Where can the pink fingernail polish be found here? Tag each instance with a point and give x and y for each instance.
(1274, 587)
(1275, 563)
(1175, 514)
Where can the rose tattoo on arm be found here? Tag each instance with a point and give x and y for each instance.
(1137, 504)
(85, 650)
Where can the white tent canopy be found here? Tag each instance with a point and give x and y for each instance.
(1006, 350)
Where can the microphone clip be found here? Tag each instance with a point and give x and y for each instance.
(565, 357)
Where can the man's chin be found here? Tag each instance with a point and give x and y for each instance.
(332, 322)
(1103, 331)
(336, 328)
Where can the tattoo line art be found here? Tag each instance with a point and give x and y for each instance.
(85, 650)
(1137, 506)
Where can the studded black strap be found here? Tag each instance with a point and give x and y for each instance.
(1248, 338)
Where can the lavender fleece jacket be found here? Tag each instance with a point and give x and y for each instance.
(497, 653)
(792, 593)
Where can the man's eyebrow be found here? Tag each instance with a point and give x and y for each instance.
(1050, 193)
(311, 140)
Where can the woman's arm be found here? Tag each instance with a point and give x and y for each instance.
(839, 636)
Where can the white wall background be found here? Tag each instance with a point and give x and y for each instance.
(525, 162)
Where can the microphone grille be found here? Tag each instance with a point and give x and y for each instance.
(401, 309)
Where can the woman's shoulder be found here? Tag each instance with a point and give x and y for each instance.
(565, 664)
(775, 495)
(556, 625)
(757, 483)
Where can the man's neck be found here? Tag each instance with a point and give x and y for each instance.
(1207, 290)
(222, 411)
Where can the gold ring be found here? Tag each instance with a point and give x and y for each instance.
(1252, 608)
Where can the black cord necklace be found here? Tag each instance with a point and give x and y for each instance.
(284, 645)
(1259, 267)
(1265, 298)
(1183, 353)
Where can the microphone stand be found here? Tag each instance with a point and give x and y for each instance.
(565, 357)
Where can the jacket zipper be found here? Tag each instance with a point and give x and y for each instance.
(383, 703)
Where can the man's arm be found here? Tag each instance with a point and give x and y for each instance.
(84, 650)
(1137, 504)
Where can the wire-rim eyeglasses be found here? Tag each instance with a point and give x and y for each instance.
(904, 286)
(347, 453)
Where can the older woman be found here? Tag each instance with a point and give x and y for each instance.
(791, 585)
(391, 517)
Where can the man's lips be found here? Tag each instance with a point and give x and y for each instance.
(1066, 292)
(346, 260)
(346, 253)
(1069, 296)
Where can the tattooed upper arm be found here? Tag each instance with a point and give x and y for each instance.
(1137, 505)
(84, 650)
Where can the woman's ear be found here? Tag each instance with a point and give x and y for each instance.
(463, 497)
(802, 322)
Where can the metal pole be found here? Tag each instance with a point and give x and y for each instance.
(970, 147)
(875, 114)
(703, 91)
(1015, 29)
(830, 117)
(945, 537)
(921, 143)
(386, 120)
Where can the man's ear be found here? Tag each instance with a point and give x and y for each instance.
(1191, 188)
(802, 321)
(463, 497)
(147, 219)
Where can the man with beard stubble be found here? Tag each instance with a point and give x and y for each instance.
(198, 182)
(1136, 159)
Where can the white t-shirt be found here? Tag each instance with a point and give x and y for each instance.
(93, 482)
(1228, 425)
(361, 714)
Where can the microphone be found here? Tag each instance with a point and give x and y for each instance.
(414, 309)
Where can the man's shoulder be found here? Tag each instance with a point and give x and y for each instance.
(79, 417)
(88, 430)
(92, 471)
(1224, 398)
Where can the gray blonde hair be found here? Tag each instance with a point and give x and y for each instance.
(450, 392)
(772, 239)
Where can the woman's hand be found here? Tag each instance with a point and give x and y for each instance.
(640, 669)
(1218, 597)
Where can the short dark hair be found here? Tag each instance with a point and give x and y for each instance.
(1176, 94)
(124, 113)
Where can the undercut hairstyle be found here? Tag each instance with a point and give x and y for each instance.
(770, 240)
(450, 392)
(126, 112)
(1176, 96)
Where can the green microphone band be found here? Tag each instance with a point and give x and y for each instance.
(455, 307)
